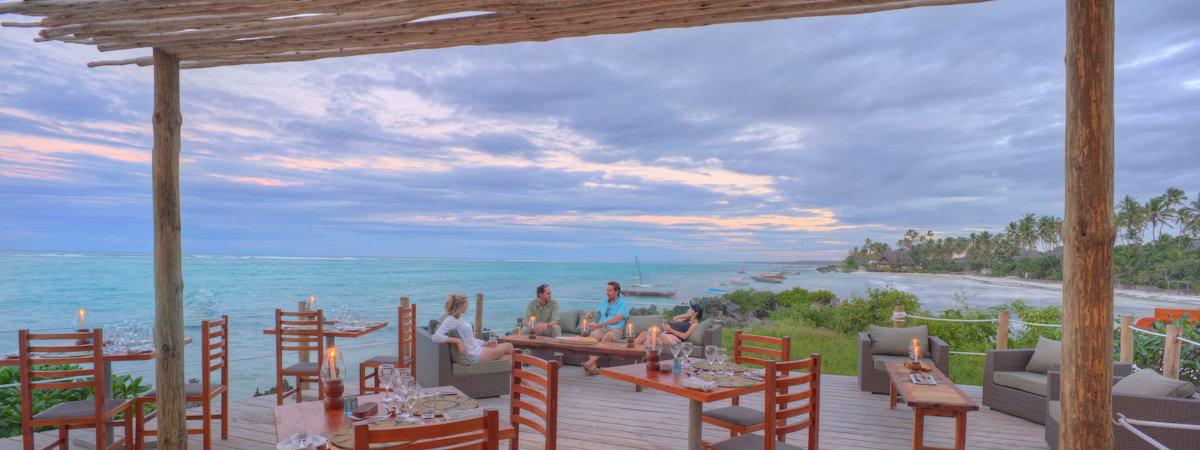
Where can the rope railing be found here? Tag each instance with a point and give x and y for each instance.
(1129, 425)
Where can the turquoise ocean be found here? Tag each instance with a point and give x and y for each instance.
(43, 290)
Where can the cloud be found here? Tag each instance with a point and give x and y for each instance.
(257, 181)
(810, 220)
(47, 145)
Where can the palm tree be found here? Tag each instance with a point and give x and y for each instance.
(1158, 213)
(1131, 218)
(1049, 231)
(1175, 197)
(1027, 235)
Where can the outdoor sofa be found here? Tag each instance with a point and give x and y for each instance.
(1015, 381)
(1143, 395)
(441, 365)
(880, 345)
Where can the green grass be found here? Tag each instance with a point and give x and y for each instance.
(839, 352)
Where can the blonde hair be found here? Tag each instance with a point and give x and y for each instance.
(454, 302)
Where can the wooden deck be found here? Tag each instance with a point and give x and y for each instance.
(600, 413)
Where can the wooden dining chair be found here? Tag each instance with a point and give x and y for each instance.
(474, 433)
(96, 413)
(528, 385)
(777, 411)
(406, 324)
(214, 357)
(300, 331)
(740, 419)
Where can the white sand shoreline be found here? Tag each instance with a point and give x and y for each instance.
(1160, 299)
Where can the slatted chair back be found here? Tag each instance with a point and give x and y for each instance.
(528, 385)
(406, 318)
(776, 348)
(299, 331)
(780, 398)
(481, 433)
(214, 351)
(32, 345)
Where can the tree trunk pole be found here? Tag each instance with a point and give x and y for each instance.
(304, 355)
(1088, 232)
(1126, 339)
(897, 323)
(1002, 329)
(404, 302)
(168, 254)
(478, 315)
(1171, 352)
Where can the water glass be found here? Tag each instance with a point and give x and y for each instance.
(721, 358)
(427, 400)
(387, 376)
(710, 355)
(685, 349)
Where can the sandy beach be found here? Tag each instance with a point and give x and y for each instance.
(1128, 296)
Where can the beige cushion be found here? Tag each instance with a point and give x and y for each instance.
(307, 368)
(77, 409)
(737, 415)
(895, 341)
(456, 357)
(1045, 356)
(750, 442)
(1151, 383)
(642, 323)
(483, 368)
(879, 362)
(1033, 383)
(1054, 410)
(697, 336)
(569, 321)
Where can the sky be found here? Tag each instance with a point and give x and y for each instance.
(781, 140)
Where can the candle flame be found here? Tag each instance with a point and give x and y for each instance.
(312, 299)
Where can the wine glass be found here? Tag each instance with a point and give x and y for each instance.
(710, 355)
(387, 376)
(685, 349)
(721, 358)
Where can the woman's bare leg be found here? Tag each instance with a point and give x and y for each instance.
(500, 351)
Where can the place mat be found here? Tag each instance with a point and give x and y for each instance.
(344, 437)
(578, 340)
(705, 365)
(727, 381)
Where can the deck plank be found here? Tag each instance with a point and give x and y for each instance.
(601, 413)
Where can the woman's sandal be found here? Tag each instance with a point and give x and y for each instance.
(591, 369)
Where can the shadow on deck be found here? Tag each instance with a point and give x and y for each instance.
(600, 413)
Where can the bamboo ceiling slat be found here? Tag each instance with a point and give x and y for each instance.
(210, 33)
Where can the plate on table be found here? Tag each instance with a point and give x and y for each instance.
(728, 381)
(578, 340)
(705, 365)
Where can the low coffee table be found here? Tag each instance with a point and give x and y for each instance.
(619, 349)
(944, 400)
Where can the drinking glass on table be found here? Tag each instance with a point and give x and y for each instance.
(685, 350)
(721, 359)
(427, 399)
(387, 376)
(710, 355)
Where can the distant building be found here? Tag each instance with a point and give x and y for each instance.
(894, 260)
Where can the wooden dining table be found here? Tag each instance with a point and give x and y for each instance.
(672, 383)
(292, 418)
(332, 333)
(109, 359)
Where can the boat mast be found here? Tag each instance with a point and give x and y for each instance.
(641, 281)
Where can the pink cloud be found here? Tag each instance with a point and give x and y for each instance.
(258, 181)
(47, 145)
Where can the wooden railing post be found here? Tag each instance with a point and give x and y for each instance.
(478, 315)
(898, 323)
(1171, 352)
(1002, 329)
(1126, 339)
(404, 302)
(303, 356)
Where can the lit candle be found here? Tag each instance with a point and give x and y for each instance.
(629, 330)
(654, 337)
(916, 354)
(583, 326)
(81, 319)
(533, 323)
(311, 299)
(332, 360)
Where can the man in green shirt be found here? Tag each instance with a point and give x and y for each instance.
(545, 309)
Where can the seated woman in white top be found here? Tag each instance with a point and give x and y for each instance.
(475, 349)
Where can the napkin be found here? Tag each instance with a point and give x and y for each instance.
(698, 384)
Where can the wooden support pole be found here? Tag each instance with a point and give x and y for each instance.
(1088, 232)
(1126, 339)
(1171, 352)
(478, 315)
(1002, 329)
(305, 355)
(168, 254)
(404, 302)
(898, 323)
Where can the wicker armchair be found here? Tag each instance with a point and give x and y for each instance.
(1029, 403)
(435, 368)
(1140, 407)
(875, 380)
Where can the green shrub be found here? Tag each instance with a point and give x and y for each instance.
(123, 386)
(794, 297)
(853, 315)
(750, 300)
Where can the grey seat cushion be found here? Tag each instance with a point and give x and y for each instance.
(189, 390)
(896, 341)
(1045, 356)
(569, 321)
(642, 323)
(737, 415)
(1151, 383)
(697, 336)
(1033, 383)
(1054, 411)
(483, 368)
(750, 442)
(306, 368)
(879, 362)
(80, 409)
(381, 360)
